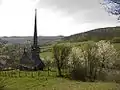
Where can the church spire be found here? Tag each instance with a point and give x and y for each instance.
(30, 60)
(35, 30)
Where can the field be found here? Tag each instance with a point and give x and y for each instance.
(51, 82)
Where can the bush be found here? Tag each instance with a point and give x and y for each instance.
(116, 40)
(102, 75)
(113, 75)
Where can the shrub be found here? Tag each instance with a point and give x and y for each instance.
(113, 75)
(116, 40)
(78, 74)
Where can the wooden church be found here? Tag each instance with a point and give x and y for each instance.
(32, 61)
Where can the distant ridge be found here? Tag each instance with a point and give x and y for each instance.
(22, 39)
(107, 33)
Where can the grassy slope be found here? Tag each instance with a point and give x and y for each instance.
(54, 83)
(46, 52)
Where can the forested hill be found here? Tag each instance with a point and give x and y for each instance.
(108, 33)
(21, 40)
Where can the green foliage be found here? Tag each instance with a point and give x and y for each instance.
(92, 58)
(84, 58)
(60, 53)
(11, 54)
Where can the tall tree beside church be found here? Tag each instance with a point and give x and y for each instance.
(61, 53)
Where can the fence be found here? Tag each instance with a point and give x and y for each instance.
(31, 74)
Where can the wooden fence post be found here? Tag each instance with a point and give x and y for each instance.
(25, 74)
(32, 74)
(19, 74)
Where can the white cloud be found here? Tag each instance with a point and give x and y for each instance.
(17, 17)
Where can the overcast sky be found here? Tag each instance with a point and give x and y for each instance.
(55, 17)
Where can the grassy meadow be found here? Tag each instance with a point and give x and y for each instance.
(31, 81)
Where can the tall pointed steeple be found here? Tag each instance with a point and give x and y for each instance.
(34, 57)
(35, 48)
(35, 30)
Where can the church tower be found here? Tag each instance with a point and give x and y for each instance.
(32, 61)
(35, 50)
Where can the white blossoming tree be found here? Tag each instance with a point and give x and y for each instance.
(84, 60)
(93, 58)
(107, 54)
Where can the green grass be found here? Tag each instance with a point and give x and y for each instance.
(55, 84)
(45, 82)
(45, 55)
(46, 52)
(117, 46)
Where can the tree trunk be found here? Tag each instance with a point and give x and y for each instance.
(95, 74)
(59, 71)
(48, 71)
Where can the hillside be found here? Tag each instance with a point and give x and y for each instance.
(21, 40)
(107, 33)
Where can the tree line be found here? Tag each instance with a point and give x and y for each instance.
(87, 61)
